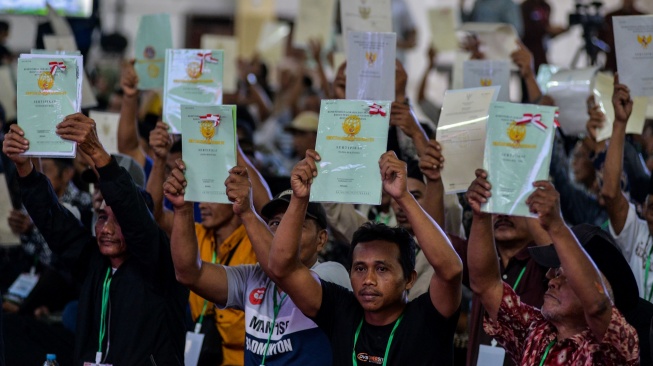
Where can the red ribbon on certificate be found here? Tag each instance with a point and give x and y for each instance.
(377, 109)
(212, 117)
(54, 65)
(205, 57)
(536, 120)
(556, 119)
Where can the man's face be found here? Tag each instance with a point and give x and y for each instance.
(510, 228)
(377, 277)
(418, 189)
(302, 141)
(560, 301)
(215, 215)
(312, 240)
(108, 233)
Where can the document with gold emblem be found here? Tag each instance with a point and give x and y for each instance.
(603, 90)
(192, 77)
(106, 125)
(351, 137)
(443, 28)
(229, 45)
(154, 36)
(365, 16)
(209, 150)
(314, 21)
(633, 41)
(371, 66)
(49, 88)
(461, 134)
(479, 73)
(518, 149)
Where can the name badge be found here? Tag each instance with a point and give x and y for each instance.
(491, 355)
(24, 285)
(193, 348)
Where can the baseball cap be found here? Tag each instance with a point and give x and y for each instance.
(133, 168)
(306, 121)
(281, 201)
(607, 256)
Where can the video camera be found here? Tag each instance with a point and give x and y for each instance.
(589, 17)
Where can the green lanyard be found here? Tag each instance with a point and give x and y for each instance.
(387, 347)
(521, 274)
(103, 314)
(206, 302)
(648, 267)
(277, 307)
(546, 351)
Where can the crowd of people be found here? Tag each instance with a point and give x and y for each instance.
(126, 267)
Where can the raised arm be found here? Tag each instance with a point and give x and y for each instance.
(446, 283)
(523, 58)
(315, 46)
(484, 275)
(261, 191)
(615, 202)
(285, 266)
(205, 279)
(581, 273)
(160, 141)
(127, 124)
(430, 62)
(430, 165)
(402, 116)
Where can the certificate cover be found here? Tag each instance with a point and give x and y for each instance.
(209, 150)
(251, 15)
(603, 90)
(443, 28)
(314, 21)
(49, 88)
(229, 46)
(371, 66)
(154, 36)
(517, 153)
(192, 77)
(498, 40)
(479, 73)
(365, 16)
(106, 125)
(633, 36)
(272, 42)
(461, 134)
(570, 89)
(351, 137)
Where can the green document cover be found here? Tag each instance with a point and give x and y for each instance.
(209, 150)
(192, 77)
(518, 148)
(48, 89)
(154, 36)
(351, 137)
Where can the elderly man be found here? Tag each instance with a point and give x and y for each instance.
(131, 308)
(578, 323)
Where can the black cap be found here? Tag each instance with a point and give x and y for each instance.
(607, 256)
(281, 201)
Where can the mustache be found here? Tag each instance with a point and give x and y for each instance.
(503, 220)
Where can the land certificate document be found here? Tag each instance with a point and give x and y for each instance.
(192, 77)
(314, 21)
(461, 134)
(106, 125)
(518, 149)
(443, 28)
(633, 36)
(371, 66)
(49, 89)
(229, 46)
(498, 40)
(365, 16)
(154, 36)
(209, 150)
(570, 89)
(479, 73)
(351, 137)
(603, 90)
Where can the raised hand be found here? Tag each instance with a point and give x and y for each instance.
(523, 58)
(15, 144)
(432, 162)
(623, 104)
(479, 192)
(597, 118)
(81, 129)
(403, 117)
(129, 79)
(160, 140)
(545, 202)
(303, 173)
(19, 223)
(175, 186)
(394, 174)
(239, 190)
(315, 46)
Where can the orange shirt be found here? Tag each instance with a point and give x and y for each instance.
(235, 250)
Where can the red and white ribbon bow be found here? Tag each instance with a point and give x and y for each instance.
(54, 65)
(556, 119)
(205, 57)
(377, 109)
(212, 117)
(536, 120)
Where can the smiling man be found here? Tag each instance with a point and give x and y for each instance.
(375, 324)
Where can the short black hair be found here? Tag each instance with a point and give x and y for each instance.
(371, 231)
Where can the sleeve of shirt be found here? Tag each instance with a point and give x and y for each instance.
(513, 322)
(627, 238)
(335, 298)
(237, 277)
(620, 341)
(333, 272)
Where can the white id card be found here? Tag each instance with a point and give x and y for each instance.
(24, 284)
(490, 355)
(193, 348)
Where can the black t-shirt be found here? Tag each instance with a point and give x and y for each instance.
(424, 336)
